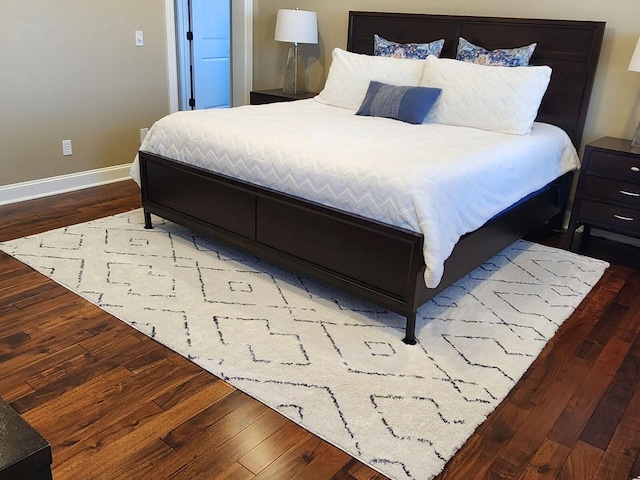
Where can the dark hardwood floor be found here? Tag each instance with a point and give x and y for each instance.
(116, 404)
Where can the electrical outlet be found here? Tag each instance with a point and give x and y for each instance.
(139, 38)
(66, 148)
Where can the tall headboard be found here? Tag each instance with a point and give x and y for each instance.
(571, 48)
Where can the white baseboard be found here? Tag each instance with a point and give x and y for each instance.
(19, 192)
(565, 220)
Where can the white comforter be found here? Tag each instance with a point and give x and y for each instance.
(440, 180)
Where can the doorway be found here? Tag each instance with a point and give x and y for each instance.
(203, 35)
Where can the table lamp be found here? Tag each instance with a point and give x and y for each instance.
(634, 66)
(296, 26)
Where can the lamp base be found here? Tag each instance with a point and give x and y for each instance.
(636, 138)
(294, 77)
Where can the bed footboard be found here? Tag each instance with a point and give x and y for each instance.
(378, 262)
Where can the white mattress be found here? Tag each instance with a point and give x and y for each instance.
(440, 180)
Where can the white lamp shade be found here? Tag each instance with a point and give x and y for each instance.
(296, 26)
(634, 64)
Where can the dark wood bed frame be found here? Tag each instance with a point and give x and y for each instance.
(382, 263)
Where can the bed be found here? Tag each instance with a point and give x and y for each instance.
(368, 255)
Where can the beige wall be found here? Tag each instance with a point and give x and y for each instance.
(615, 104)
(71, 70)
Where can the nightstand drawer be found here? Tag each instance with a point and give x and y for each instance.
(625, 220)
(621, 192)
(611, 165)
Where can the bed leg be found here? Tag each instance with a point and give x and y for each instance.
(410, 330)
(147, 220)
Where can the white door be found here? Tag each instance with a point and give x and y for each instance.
(205, 46)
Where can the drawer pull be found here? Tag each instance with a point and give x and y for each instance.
(626, 219)
(630, 194)
(635, 169)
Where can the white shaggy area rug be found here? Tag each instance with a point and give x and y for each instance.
(329, 362)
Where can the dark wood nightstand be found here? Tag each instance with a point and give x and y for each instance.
(260, 97)
(608, 192)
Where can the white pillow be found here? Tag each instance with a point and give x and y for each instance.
(350, 74)
(499, 99)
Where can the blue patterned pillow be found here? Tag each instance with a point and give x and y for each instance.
(504, 57)
(415, 51)
(408, 104)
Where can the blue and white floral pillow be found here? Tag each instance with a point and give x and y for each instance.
(416, 51)
(503, 57)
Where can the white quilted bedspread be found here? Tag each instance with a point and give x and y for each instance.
(440, 180)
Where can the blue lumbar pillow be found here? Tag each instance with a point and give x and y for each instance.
(408, 104)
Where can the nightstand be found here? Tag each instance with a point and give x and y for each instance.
(260, 97)
(608, 192)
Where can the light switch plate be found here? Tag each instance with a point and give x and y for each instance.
(139, 38)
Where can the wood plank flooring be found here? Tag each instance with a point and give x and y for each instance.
(117, 405)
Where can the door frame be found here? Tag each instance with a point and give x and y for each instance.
(183, 49)
(241, 48)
